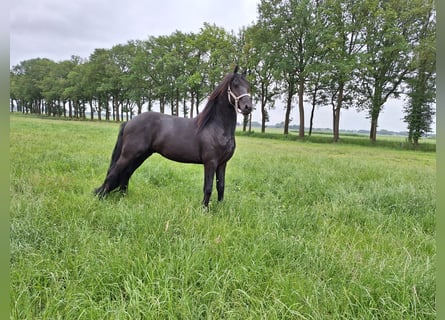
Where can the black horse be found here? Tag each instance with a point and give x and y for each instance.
(207, 139)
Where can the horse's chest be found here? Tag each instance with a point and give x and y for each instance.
(217, 145)
(227, 147)
(226, 142)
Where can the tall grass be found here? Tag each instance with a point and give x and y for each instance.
(307, 231)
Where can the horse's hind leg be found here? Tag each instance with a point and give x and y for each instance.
(133, 165)
(104, 189)
(114, 177)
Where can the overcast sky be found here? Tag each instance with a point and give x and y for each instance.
(58, 29)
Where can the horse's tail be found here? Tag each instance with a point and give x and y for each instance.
(118, 147)
(107, 186)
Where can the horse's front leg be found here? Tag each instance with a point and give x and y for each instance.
(209, 173)
(220, 178)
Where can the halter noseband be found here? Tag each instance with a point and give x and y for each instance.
(231, 94)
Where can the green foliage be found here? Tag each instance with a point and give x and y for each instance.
(419, 109)
(260, 65)
(307, 231)
(291, 29)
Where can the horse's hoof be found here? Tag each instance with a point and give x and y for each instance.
(99, 192)
(205, 208)
(123, 191)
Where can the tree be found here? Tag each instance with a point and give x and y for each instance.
(338, 53)
(13, 93)
(290, 24)
(421, 83)
(264, 88)
(97, 76)
(55, 83)
(117, 70)
(169, 67)
(145, 62)
(76, 91)
(217, 54)
(316, 93)
(385, 60)
(28, 84)
(136, 80)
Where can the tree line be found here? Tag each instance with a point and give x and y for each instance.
(337, 53)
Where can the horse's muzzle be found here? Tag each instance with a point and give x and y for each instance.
(245, 105)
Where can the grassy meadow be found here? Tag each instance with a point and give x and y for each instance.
(307, 230)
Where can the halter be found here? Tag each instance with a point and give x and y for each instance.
(231, 94)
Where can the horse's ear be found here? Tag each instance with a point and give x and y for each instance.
(244, 73)
(236, 69)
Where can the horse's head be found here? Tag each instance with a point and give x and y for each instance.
(238, 93)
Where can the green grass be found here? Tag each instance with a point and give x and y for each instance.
(306, 231)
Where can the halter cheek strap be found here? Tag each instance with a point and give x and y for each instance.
(231, 94)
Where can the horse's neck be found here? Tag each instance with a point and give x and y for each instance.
(226, 116)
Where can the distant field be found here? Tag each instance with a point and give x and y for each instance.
(306, 231)
(388, 141)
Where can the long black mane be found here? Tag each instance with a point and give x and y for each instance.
(210, 109)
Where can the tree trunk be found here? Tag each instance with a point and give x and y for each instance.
(84, 110)
(311, 121)
(70, 108)
(288, 109)
(377, 103)
(149, 104)
(107, 110)
(198, 100)
(263, 117)
(116, 106)
(337, 109)
(416, 141)
(336, 124)
(161, 105)
(99, 109)
(192, 103)
(373, 131)
(374, 120)
(301, 105)
(91, 110)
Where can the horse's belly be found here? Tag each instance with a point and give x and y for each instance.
(181, 158)
(181, 153)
